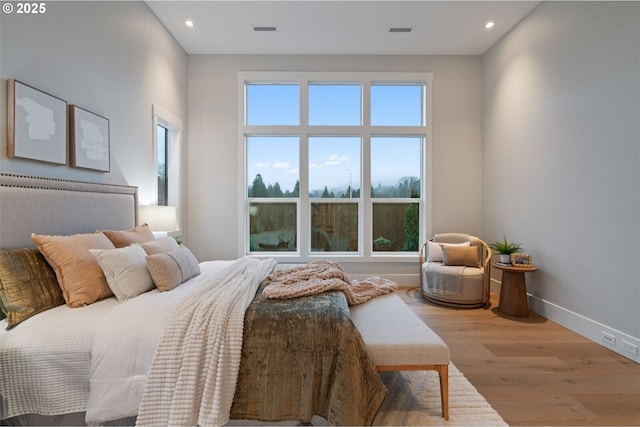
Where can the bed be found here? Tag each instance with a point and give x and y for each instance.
(298, 358)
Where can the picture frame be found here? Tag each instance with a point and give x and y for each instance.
(520, 259)
(37, 124)
(90, 145)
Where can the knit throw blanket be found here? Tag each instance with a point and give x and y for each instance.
(194, 372)
(322, 276)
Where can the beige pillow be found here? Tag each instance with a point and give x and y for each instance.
(126, 270)
(434, 253)
(28, 285)
(170, 269)
(158, 246)
(121, 239)
(460, 255)
(79, 275)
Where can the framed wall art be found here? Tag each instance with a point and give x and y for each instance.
(89, 139)
(37, 124)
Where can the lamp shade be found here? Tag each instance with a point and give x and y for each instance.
(159, 218)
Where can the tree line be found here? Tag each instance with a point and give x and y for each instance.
(407, 187)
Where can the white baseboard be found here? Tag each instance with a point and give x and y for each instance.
(618, 341)
(575, 322)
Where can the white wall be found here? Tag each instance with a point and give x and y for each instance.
(112, 58)
(562, 160)
(214, 167)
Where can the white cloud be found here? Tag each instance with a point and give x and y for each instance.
(336, 159)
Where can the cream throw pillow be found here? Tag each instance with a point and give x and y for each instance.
(126, 270)
(158, 246)
(78, 273)
(460, 255)
(434, 253)
(170, 269)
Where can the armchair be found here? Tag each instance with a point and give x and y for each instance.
(454, 270)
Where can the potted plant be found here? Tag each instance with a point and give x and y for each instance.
(505, 249)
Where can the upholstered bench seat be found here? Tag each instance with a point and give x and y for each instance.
(398, 340)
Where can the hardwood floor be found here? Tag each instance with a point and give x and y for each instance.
(534, 371)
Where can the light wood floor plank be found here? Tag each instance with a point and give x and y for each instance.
(534, 371)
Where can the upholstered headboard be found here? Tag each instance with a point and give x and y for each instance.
(61, 207)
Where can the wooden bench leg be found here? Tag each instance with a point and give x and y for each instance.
(443, 374)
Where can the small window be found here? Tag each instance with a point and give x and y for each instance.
(162, 148)
(334, 105)
(396, 105)
(166, 152)
(273, 227)
(334, 227)
(272, 104)
(395, 167)
(334, 167)
(396, 227)
(272, 166)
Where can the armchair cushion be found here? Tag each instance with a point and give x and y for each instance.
(434, 253)
(460, 255)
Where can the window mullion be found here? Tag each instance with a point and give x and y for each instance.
(304, 207)
(397, 130)
(366, 231)
(365, 194)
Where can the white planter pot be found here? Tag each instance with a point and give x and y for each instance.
(505, 258)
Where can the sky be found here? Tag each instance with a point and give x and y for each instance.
(334, 161)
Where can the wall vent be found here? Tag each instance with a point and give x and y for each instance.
(264, 28)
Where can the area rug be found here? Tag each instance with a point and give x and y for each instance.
(413, 399)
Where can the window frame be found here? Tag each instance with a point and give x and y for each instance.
(161, 117)
(303, 130)
(165, 150)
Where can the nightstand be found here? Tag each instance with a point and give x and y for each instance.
(513, 292)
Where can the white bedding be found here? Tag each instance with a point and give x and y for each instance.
(193, 376)
(45, 371)
(126, 340)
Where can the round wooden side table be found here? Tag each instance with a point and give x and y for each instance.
(513, 291)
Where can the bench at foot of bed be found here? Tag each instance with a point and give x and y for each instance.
(398, 340)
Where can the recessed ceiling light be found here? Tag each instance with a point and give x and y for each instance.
(266, 28)
(400, 29)
(188, 23)
(489, 25)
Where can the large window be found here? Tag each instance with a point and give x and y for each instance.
(335, 163)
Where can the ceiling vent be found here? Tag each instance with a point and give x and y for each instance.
(265, 28)
(400, 29)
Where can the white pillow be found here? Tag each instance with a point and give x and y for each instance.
(126, 270)
(434, 250)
